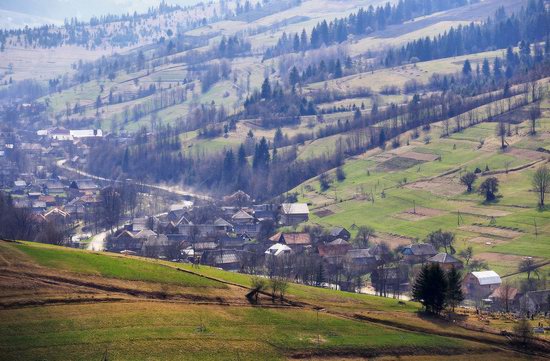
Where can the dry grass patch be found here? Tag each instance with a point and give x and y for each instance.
(526, 154)
(392, 240)
(492, 231)
(419, 214)
(486, 241)
(442, 186)
(487, 212)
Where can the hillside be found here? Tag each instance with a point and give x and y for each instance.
(62, 304)
(407, 192)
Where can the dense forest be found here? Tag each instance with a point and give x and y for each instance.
(529, 25)
(361, 23)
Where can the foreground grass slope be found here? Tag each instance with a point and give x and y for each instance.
(145, 327)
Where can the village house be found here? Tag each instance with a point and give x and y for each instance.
(222, 225)
(58, 217)
(294, 213)
(505, 298)
(361, 260)
(53, 187)
(85, 186)
(418, 253)
(536, 302)
(227, 241)
(445, 261)
(479, 285)
(340, 232)
(244, 223)
(336, 248)
(298, 241)
(278, 250)
(19, 186)
(125, 241)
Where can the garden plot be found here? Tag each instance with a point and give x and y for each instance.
(392, 240)
(420, 213)
(492, 231)
(442, 186)
(398, 163)
(486, 212)
(423, 157)
(322, 213)
(486, 241)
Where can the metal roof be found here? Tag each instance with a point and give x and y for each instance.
(295, 208)
(487, 277)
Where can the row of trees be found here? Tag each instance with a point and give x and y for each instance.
(529, 25)
(360, 23)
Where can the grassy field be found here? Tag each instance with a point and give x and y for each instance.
(97, 322)
(111, 267)
(382, 189)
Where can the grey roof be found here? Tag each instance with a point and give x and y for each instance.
(242, 215)
(422, 249)
(443, 258)
(539, 297)
(220, 222)
(294, 208)
(338, 242)
(487, 277)
(359, 253)
(335, 232)
(205, 245)
(226, 257)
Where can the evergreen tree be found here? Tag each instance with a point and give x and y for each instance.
(467, 68)
(338, 69)
(241, 156)
(454, 294)
(266, 89)
(430, 288)
(278, 138)
(261, 155)
(228, 166)
(485, 69)
(294, 76)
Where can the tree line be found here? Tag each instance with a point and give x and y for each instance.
(361, 23)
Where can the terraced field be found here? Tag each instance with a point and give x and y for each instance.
(382, 189)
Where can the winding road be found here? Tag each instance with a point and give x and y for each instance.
(169, 189)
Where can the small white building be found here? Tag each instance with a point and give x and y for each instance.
(481, 284)
(278, 250)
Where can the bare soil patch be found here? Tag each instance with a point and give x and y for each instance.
(398, 163)
(492, 231)
(323, 213)
(443, 186)
(419, 213)
(424, 157)
(391, 239)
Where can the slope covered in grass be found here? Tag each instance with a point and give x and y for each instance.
(111, 266)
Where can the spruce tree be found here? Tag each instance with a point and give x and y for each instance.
(430, 288)
(454, 294)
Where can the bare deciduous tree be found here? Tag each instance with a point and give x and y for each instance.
(541, 183)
